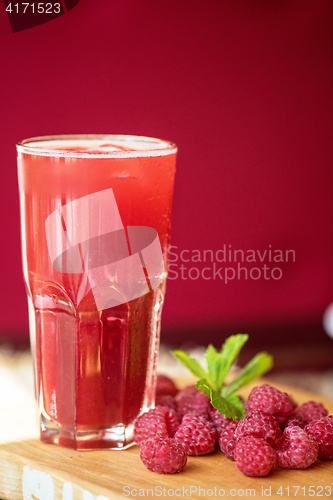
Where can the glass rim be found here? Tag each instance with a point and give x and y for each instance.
(159, 147)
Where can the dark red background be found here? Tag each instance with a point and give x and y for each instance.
(244, 87)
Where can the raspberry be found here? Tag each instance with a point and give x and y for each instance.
(296, 449)
(295, 420)
(219, 420)
(293, 402)
(311, 410)
(191, 400)
(165, 386)
(162, 421)
(268, 399)
(254, 456)
(196, 435)
(163, 455)
(166, 400)
(322, 430)
(227, 439)
(259, 425)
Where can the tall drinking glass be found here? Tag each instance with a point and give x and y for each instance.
(95, 221)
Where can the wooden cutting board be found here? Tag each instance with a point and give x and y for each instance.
(31, 470)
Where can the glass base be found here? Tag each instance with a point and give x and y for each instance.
(118, 437)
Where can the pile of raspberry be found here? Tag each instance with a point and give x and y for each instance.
(275, 431)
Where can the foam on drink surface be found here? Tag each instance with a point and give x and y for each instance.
(129, 146)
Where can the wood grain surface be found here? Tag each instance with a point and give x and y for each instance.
(31, 470)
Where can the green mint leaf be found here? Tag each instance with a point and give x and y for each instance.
(236, 401)
(204, 386)
(220, 403)
(258, 365)
(214, 364)
(225, 407)
(229, 352)
(190, 363)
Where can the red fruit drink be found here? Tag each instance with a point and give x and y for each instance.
(95, 218)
